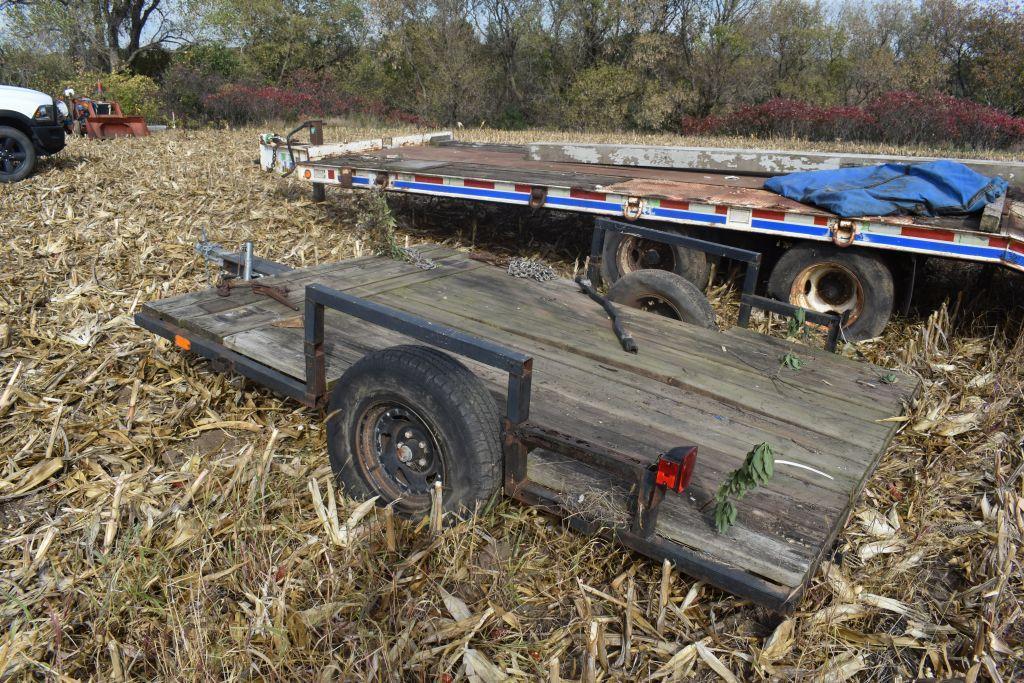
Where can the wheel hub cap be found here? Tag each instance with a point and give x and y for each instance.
(828, 288)
(403, 446)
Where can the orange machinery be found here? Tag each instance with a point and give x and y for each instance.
(100, 119)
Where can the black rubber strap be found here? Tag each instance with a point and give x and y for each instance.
(625, 338)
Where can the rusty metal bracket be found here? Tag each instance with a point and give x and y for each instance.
(538, 195)
(382, 179)
(345, 178)
(844, 232)
(632, 208)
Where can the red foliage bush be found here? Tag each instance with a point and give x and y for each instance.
(303, 97)
(902, 118)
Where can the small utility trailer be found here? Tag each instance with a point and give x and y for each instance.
(456, 372)
(861, 267)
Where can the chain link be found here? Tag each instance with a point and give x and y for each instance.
(417, 259)
(528, 268)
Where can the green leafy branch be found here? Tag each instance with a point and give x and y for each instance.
(378, 223)
(796, 325)
(792, 361)
(756, 470)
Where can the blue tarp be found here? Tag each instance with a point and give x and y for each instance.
(928, 189)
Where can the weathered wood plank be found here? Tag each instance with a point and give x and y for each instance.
(589, 494)
(992, 214)
(737, 160)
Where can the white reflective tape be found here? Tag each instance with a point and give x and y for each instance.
(803, 467)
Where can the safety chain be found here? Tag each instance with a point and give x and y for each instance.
(417, 259)
(528, 268)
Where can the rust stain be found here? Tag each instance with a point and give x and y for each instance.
(711, 194)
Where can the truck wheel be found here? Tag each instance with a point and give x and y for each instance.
(624, 254)
(17, 155)
(665, 293)
(832, 280)
(403, 417)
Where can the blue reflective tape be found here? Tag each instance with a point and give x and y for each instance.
(679, 214)
(584, 203)
(929, 245)
(794, 228)
(356, 180)
(464, 191)
(1014, 258)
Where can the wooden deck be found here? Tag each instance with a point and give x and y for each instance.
(722, 391)
(511, 164)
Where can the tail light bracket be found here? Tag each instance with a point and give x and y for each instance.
(670, 474)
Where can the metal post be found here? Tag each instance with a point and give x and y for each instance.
(596, 250)
(316, 365)
(316, 137)
(247, 260)
(749, 287)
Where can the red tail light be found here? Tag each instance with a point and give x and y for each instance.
(675, 468)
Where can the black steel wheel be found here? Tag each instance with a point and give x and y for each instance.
(17, 155)
(404, 417)
(664, 293)
(624, 254)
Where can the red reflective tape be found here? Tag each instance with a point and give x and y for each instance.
(433, 179)
(1017, 247)
(330, 173)
(524, 188)
(672, 204)
(485, 184)
(769, 215)
(998, 242)
(586, 194)
(821, 220)
(723, 210)
(928, 234)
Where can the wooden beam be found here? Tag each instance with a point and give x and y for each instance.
(992, 215)
(742, 161)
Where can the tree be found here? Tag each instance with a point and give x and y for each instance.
(102, 34)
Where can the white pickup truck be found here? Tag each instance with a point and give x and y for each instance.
(32, 124)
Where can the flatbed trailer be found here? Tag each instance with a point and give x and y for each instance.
(587, 430)
(722, 205)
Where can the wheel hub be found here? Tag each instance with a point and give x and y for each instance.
(395, 439)
(828, 288)
(635, 254)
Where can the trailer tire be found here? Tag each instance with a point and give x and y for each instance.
(400, 418)
(17, 155)
(824, 278)
(665, 293)
(624, 254)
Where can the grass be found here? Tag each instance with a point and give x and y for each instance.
(139, 540)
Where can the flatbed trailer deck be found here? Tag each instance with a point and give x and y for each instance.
(435, 165)
(585, 422)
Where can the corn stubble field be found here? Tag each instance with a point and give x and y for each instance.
(159, 520)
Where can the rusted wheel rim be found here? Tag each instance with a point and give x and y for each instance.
(635, 253)
(398, 451)
(828, 288)
(655, 304)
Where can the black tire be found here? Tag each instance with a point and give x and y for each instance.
(828, 279)
(665, 293)
(17, 155)
(444, 413)
(624, 254)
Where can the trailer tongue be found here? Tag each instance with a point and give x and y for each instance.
(462, 374)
